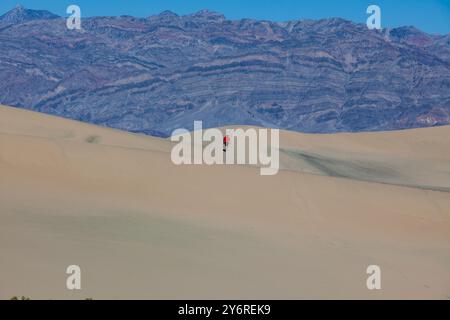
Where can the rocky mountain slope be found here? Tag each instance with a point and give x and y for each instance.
(155, 74)
(20, 14)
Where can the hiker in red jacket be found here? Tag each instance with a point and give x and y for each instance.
(226, 141)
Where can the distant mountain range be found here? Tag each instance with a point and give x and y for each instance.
(153, 75)
(20, 14)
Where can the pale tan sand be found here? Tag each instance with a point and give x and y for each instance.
(141, 227)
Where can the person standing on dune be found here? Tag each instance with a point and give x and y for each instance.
(226, 141)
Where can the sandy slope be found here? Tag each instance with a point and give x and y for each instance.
(141, 227)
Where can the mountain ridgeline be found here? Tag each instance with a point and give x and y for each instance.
(153, 75)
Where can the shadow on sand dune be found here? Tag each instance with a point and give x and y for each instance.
(362, 170)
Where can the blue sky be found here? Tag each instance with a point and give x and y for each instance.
(432, 16)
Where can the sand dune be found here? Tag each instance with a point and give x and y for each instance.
(140, 227)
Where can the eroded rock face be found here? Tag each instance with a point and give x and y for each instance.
(161, 73)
